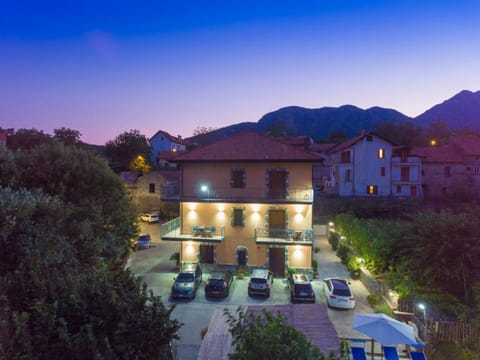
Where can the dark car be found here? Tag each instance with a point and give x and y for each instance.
(260, 282)
(143, 241)
(187, 282)
(218, 284)
(300, 288)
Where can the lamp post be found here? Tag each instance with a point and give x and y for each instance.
(205, 189)
(424, 310)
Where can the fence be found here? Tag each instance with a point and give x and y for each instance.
(444, 331)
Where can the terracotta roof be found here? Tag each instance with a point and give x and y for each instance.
(297, 140)
(449, 153)
(176, 140)
(321, 148)
(247, 146)
(351, 142)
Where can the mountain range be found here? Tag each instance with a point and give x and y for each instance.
(460, 111)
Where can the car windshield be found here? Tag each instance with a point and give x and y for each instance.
(185, 277)
(143, 238)
(341, 292)
(216, 282)
(258, 281)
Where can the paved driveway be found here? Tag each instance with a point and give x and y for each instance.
(156, 269)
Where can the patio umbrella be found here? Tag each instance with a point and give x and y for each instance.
(384, 329)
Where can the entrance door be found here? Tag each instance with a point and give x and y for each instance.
(277, 223)
(242, 256)
(277, 184)
(276, 260)
(206, 254)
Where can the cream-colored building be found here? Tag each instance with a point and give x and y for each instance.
(246, 200)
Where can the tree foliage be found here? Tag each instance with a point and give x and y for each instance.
(270, 337)
(66, 224)
(67, 136)
(26, 138)
(125, 148)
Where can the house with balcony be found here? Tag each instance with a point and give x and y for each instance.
(245, 200)
(451, 168)
(370, 166)
(163, 141)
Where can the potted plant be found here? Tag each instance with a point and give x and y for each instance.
(176, 258)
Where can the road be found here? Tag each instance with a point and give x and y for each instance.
(157, 270)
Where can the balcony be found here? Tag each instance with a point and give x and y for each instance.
(291, 195)
(173, 231)
(284, 236)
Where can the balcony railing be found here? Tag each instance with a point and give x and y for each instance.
(171, 192)
(202, 233)
(284, 236)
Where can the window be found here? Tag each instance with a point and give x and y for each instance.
(345, 157)
(238, 216)
(372, 189)
(381, 153)
(151, 188)
(404, 173)
(382, 171)
(403, 155)
(348, 175)
(237, 178)
(369, 138)
(448, 172)
(399, 189)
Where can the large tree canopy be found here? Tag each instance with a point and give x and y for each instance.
(125, 148)
(66, 224)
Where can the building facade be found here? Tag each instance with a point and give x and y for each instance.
(163, 141)
(247, 201)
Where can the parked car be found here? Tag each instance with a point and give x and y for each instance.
(218, 284)
(150, 217)
(260, 282)
(187, 282)
(300, 288)
(143, 241)
(338, 293)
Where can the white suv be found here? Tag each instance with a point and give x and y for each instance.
(260, 282)
(150, 218)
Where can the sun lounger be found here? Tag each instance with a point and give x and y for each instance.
(358, 353)
(390, 353)
(418, 355)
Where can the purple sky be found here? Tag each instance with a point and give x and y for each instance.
(149, 65)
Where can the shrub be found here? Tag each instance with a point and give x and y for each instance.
(384, 309)
(314, 264)
(333, 239)
(316, 250)
(353, 267)
(374, 299)
(291, 270)
(343, 253)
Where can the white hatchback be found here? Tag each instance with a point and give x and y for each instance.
(338, 293)
(150, 218)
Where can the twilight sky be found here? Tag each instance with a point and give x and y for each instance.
(104, 67)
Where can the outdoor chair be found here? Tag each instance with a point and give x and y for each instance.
(418, 355)
(390, 353)
(358, 353)
(196, 230)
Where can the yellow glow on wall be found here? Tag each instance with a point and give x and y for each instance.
(221, 207)
(255, 208)
(298, 208)
(192, 206)
(256, 218)
(221, 216)
(298, 254)
(298, 218)
(192, 215)
(189, 249)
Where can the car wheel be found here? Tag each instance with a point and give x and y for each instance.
(268, 293)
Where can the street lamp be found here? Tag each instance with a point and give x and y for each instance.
(205, 189)
(424, 310)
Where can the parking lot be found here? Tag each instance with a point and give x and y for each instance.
(156, 269)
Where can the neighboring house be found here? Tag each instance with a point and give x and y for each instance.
(163, 141)
(371, 166)
(245, 200)
(3, 139)
(450, 168)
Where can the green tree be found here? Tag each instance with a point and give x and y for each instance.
(270, 337)
(67, 136)
(204, 135)
(337, 136)
(64, 290)
(125, 148)
(102, 216)
(26, 138)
